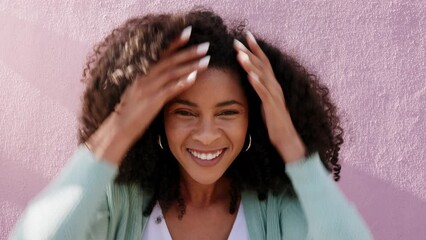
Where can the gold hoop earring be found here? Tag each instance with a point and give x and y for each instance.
(249, 144)
(159, 142)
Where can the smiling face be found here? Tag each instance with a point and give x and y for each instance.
(207, 124)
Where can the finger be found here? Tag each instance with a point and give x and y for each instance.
(248, 66)
(259, 87)
(253, 75)
(263, 69)
(180, 57)
(178, 42)
(268, 88)
(175, 88)
(239, 46)
(181, 71)
(255, 48)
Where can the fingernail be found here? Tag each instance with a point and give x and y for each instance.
(239, 44)
(251, 37)
(203, 48)
(186, 33)
(191, 77)
(254, 76)
(204, 62)
(243, 56)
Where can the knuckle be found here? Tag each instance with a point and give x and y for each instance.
(174, 59)
(167, 90)
(160, 96)
(172, 74)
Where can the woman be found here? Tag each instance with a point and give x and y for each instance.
(190, 130)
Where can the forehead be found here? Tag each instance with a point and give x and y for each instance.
(213, 86)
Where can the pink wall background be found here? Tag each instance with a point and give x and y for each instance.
(370, 53)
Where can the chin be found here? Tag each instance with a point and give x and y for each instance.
(205, 180)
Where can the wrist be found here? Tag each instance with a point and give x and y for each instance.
(292, 149)
(109, 142)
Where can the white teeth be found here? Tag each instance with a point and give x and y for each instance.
(206, 156)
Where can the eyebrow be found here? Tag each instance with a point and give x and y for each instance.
(221, 104)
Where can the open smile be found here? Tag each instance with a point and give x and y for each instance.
(206, 158)
(206, 155)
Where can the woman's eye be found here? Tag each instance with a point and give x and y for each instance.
(184, 113)
(228, 113)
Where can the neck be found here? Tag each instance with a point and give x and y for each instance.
(204, 195)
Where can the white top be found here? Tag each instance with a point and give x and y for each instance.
(156, 228)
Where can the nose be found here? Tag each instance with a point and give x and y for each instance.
(206, 132)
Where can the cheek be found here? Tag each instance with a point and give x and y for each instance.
(236, 131)
(176, 132)
(243, 130)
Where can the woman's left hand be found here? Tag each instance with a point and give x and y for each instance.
(281, 130)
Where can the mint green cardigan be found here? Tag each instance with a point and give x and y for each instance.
(84, 203)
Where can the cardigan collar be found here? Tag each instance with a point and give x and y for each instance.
(252, 211)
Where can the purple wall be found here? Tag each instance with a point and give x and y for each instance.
(370, 53)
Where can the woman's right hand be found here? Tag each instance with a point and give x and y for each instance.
(145, 97)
